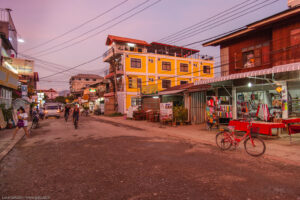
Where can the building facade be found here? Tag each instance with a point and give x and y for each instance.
(261, 64)
(8, 48)
(80, 81)
(139, 68)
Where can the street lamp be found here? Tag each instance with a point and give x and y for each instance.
(21, 40)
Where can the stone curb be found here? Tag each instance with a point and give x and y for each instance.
(12, 145)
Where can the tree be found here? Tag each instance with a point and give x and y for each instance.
(60, 99)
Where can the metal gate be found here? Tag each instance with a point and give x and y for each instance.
(198, 105)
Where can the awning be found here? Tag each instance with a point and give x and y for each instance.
(170, 92)
(273, 70)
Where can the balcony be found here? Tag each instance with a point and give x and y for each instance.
(8, 28)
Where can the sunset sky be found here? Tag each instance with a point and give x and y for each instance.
(38, 21)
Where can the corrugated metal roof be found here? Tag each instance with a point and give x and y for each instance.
(273, 70)
(112, 38)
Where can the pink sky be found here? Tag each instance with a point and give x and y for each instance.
(40, 20)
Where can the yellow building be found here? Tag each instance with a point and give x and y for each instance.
(137, 67)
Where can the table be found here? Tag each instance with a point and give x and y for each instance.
(264, 127)
(293, 125)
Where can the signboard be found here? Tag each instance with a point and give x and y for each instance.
(92, 90)
(24, 91)
(149, 89)
(22, 66)
(86, 97)
(166, 111)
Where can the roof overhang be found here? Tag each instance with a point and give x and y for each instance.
(171, 92)
(273, 70)
(254, 26)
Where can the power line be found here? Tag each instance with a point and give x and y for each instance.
(91, 30)
(84, 63)
(201, 22)
(77, 27)
(222, 22)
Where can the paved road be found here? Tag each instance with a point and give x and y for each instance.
(103, 160)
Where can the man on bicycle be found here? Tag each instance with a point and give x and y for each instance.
(76, 113)
(67, 112)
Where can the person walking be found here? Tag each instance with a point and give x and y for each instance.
(76, 113)
(22, 122)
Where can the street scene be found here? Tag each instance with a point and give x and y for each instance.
(154, 99)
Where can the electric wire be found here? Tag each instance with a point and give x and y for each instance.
(76, 28)
(222, 22)
(45, 52)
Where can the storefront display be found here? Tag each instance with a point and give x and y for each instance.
(260, 105)
(219, 109)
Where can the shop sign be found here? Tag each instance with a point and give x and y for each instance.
(166, 111)
(22, 66)
(149, 89)
(8, 78)
(24, 91)
(86, 97)
(92, 90)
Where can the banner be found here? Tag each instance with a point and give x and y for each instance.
(22, 66)
(166, 111)
(149, 89)
(24, 91)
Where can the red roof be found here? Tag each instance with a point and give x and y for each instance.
(111, 38)
(173, 46)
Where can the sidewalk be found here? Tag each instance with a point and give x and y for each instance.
(6, 143)
(277, 148)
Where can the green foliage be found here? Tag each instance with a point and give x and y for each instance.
(7, 113)
(117, 114)
(180, 114)
(60, 99)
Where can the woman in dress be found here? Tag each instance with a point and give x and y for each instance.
(22, 122)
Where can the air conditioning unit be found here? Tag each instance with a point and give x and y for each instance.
(293, 3)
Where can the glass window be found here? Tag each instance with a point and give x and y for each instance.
(139, 83)
(136, 63)
(183, 82)
(94, 79)
(184, 67)
(206, 69)
(166, 66)
(87, 79)
(129, 82)
(166, 84)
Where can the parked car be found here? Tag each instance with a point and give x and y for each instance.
(52, 110)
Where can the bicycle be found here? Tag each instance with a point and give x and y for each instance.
(76, 123)
(66, 116)
(35, 122)
(253, 145)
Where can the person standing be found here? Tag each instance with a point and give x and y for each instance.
(22, 122)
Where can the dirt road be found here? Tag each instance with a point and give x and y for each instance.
(101, 160)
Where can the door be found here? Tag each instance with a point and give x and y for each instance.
(198, 106)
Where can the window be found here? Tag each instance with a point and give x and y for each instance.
(136, 101)
(140, 50)
(129, 82)
(94, 79)
(136, 63)
(195, 64)
(151, 79)
(248, 59)
(79, 79)
(183, 82)
(184, 67)
(131, 48)
(166, 84)
(206, 69)
(166, 66)
(139, 83)
(87, 79)
(295, 37)
(150, 60)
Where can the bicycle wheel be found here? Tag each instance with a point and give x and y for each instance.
(255, 146)
(223, 140)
